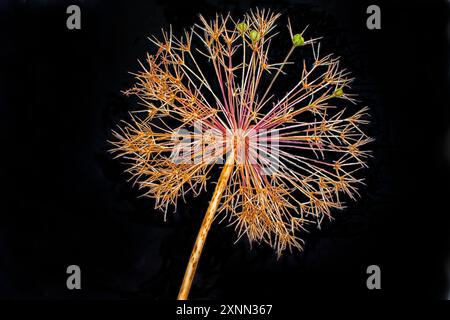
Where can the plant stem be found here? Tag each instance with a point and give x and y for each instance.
(206, 224)
(277, 74)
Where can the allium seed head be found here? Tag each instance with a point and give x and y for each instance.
(212, 92)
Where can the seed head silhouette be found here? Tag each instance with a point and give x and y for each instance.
(287, 155)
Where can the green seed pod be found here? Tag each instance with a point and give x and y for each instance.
(339, 92)
(298, 40)
(254, 35)
(242, 27)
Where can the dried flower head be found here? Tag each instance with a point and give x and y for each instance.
(292, 152)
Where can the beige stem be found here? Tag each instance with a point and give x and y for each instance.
(277, 74)
(206, 224)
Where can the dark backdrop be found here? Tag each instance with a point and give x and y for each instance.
(65, 201)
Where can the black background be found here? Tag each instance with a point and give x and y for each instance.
(65, 201)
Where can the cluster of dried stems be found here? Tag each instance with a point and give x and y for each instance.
(220, 74)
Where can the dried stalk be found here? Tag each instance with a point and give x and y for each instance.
(206, 225)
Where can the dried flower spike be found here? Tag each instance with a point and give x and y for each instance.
(291, 153)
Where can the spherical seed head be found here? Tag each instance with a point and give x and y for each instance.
(297, 152)
(298, 40)
(339, 92)
(254, 35)
(242, 27)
